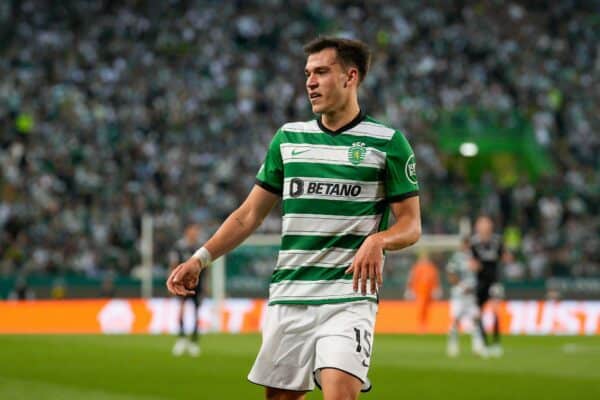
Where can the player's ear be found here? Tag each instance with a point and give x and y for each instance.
(352, 77)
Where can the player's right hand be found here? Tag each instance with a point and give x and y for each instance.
(183, 279)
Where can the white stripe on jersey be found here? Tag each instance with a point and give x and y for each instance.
(306, 127)
(334, 257)
(323, 154)
(327, 225)
(369, 191)
(309, 290)
(371, 130)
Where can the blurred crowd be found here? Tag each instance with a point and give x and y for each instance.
(113, 109)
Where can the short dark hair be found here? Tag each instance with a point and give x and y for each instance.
(349, 52)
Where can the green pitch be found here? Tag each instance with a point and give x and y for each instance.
(403, 367)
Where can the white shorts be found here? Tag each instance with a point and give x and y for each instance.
(300, 340)
(464, 306)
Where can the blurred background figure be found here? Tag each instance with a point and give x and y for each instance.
(58, 290)
(423, 286)
(488, 252)
(184, 248)
(107, 287)
(21, 290)
(463, 302)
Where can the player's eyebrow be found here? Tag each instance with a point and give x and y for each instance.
(320, 68)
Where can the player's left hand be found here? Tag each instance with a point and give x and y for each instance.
(367, 265)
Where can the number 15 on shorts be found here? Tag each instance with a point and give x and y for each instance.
(363, 343)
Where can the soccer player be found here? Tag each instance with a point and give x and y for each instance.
(463, 303)
(488, 251)
(338, 176)
(423, 285)
(184, 248)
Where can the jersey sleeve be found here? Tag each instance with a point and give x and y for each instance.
(270, 174)
(400, 170)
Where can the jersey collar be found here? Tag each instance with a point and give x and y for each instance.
(357, 120)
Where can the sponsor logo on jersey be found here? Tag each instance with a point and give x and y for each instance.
(410, 169)
(298, 187)
(298, 152)
(356, 153)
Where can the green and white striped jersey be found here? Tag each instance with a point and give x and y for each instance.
(336, 189)
(458, 264)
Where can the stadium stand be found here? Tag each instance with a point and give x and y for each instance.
(112, 109)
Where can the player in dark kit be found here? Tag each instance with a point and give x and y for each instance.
(488, 252)
(184, 248)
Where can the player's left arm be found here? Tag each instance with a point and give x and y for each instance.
(406, 231)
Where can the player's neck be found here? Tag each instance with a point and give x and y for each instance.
(334, 120)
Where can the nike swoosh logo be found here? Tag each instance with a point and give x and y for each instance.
(364, 363)
(296, 152)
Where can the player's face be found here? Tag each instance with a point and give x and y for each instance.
(484, 226)
(326, 82)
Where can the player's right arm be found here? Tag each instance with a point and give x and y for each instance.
(233, 231)
(242, 222)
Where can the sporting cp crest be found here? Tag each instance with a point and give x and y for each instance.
(357, 153)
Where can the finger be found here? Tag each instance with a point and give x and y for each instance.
(174, 290)
(183, 291)
(178, 274)
(181, 276)
(364, 275)
(379, 272)
(170, 283)
(350, 269)
(373, 278)
(174, 283)
(355, 276)
(173, 287)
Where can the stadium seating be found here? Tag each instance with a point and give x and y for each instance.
(109, 110)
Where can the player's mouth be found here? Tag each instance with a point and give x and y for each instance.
(313, 96)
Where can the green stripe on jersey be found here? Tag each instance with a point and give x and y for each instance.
(326, 301)
(310, 274)
(333, 207)
(312, 170)
(304, 242)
